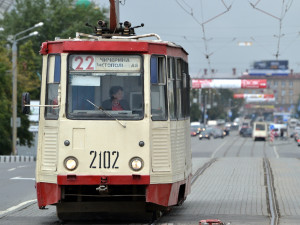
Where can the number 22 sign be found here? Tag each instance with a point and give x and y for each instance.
(83, 62)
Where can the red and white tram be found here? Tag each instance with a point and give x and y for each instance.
(114, 124)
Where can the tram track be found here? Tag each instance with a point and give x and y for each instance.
(230, 145)
(240, 148)
(201, 170)
(252, 149)
(271, 193)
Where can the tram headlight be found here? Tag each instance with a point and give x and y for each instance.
(71, 163)
(136, 163)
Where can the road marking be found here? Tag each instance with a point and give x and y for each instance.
(21, 178)
(22, 166)
(214, 153)
(17, 206)
(275, 151)
(11, 169)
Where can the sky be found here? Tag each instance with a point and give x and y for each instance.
(214, 28)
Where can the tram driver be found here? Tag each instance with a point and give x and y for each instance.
(116, 101)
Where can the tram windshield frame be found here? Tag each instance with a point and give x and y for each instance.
(93, 80)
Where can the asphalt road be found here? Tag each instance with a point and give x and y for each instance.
(233, 187)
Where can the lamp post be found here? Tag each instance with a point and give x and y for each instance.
(14, 42)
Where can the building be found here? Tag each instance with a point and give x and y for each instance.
(286, 90)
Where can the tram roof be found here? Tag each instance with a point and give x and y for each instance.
(113, 46)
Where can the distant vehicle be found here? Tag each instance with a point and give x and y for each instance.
(242, 130)
(204, 134)
(218, 133)
(227, 128)
(280, 129)
(247, 132)
(260, 131)
(196, 128)
(293, 123)
(194, 131)
(298, 142)
(212, 123)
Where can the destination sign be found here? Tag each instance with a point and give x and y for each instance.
(106, 63)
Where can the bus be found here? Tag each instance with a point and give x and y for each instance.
(114, 125)
(260, 131)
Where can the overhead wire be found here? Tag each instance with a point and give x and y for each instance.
(205, 40)
(284, 10)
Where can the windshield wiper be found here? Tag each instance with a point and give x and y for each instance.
(107, 113)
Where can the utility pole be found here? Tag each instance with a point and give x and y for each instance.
(14, 81)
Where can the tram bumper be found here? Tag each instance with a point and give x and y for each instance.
(159, 194)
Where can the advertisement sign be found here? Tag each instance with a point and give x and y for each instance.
(244, 96)
(270, 68)
(229, 83)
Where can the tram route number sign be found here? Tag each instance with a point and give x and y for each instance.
(106, 63)
(104, 160)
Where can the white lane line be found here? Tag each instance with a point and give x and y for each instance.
(11, 169)
(215, 152)
(275, 151)
(21, 178)
(17, 206)
(22, 166)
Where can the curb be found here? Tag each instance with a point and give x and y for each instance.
(16, 158)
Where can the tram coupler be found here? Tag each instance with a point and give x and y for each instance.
(102, 188)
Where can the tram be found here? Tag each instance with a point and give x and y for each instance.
(114, 124)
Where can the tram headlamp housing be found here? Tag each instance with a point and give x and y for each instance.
(71, 163)
(136, 163)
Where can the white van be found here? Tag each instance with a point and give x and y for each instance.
(260, 131)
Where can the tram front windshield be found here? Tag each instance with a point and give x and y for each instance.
(105, 87)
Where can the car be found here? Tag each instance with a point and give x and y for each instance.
(218, 133)
(204, 135)
(298, 142)
(242, 130)
(247, 132)
(194, 131)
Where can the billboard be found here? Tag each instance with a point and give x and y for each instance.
(270, 68)
(229, 83)
(244, 96)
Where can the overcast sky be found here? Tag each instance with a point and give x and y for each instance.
(180, 21)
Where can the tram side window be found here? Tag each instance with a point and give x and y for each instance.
(172, 88)
(186, 89)
(179, 87)
(53, 81)
(158, 88)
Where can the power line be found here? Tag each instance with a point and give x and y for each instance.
(284, 10)
(189, 11)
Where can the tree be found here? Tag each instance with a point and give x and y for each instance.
(62, 18)
(5, 103)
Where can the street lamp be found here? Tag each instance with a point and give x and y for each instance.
(14, 42)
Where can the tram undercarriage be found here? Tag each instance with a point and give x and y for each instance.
(113, 203)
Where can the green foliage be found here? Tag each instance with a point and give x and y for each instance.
(61, 18)
(5, 103)
(196, 113)
(220, 100)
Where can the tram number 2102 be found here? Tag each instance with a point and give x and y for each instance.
(104, 160)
